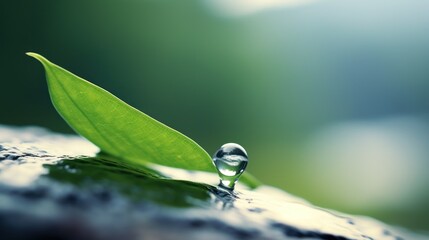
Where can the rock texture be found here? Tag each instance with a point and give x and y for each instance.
(53, 186)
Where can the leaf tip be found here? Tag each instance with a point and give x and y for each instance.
(37, 56)
(30, 53)
(45, 62)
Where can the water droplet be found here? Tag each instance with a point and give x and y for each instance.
(230, 161)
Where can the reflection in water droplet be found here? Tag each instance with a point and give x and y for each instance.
(230, 161)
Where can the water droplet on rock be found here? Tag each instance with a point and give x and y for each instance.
(230, 161)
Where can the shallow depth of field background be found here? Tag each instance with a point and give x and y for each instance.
(330, 98)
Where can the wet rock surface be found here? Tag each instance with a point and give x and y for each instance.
(53, 186)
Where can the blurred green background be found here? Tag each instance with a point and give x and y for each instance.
(330, 98)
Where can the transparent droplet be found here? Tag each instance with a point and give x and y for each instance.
(230, 161)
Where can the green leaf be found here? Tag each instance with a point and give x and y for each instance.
(119, 129)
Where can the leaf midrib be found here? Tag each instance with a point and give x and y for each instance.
(84, 114)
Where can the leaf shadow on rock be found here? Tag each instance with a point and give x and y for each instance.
(135, 183)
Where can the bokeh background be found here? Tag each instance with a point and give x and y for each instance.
(330, 98)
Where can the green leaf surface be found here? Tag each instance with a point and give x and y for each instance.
(119, 129)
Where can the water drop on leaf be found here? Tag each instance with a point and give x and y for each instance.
(230, 161)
